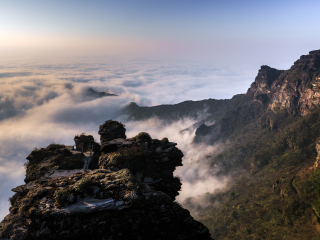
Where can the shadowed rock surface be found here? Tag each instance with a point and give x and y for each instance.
(54, 157)
(110, 130)
(92, 93)
(131, 196)
(261, 88)
(296, 89)
(86, 143)
(152, 161)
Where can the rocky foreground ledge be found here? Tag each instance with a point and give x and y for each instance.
(128, 191)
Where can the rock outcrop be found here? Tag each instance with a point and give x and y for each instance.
(296, 89)
(130, 196)
(317, 162)
(47, 160)
(95, 94)
(86, 143)
(110, 130)
(261, 88)
(202, 130)
(152, 161)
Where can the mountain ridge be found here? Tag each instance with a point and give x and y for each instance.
(269, 140)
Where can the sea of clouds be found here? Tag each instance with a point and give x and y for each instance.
(44, 101)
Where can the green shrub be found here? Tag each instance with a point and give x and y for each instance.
(166, 140)
(54, 146)
(309, 86)
(144, 137)
(61, 196)
(133, 158)
(271, 155)
(82, 185)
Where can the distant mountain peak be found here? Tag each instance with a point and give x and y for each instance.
(296, 89)
(309, 62)
(93, 93)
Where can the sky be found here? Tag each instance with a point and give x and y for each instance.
(247, 31)
(150, 52)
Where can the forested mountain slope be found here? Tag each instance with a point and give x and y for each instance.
(269, 138)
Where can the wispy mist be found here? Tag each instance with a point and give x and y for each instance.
(197, 176)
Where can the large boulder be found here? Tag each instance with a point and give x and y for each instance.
(111, 130)
(54, 157)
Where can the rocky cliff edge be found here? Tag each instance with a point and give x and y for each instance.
(296, 89)
(130, 195)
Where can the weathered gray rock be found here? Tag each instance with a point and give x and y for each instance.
(133, 202)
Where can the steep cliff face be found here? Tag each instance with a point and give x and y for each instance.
(261, 88)
(130, 196)
(296, 89)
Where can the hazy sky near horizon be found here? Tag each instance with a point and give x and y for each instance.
(255, 32)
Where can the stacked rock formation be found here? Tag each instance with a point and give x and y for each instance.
(86, 143)
(152, 161)
(129, 197)
(108, 131)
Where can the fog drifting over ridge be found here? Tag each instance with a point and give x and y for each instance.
(196, 175)
(41, 103)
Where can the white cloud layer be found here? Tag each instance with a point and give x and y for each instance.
(196, 175)
(43, 102)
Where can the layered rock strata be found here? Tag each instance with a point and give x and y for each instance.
(129, 197)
